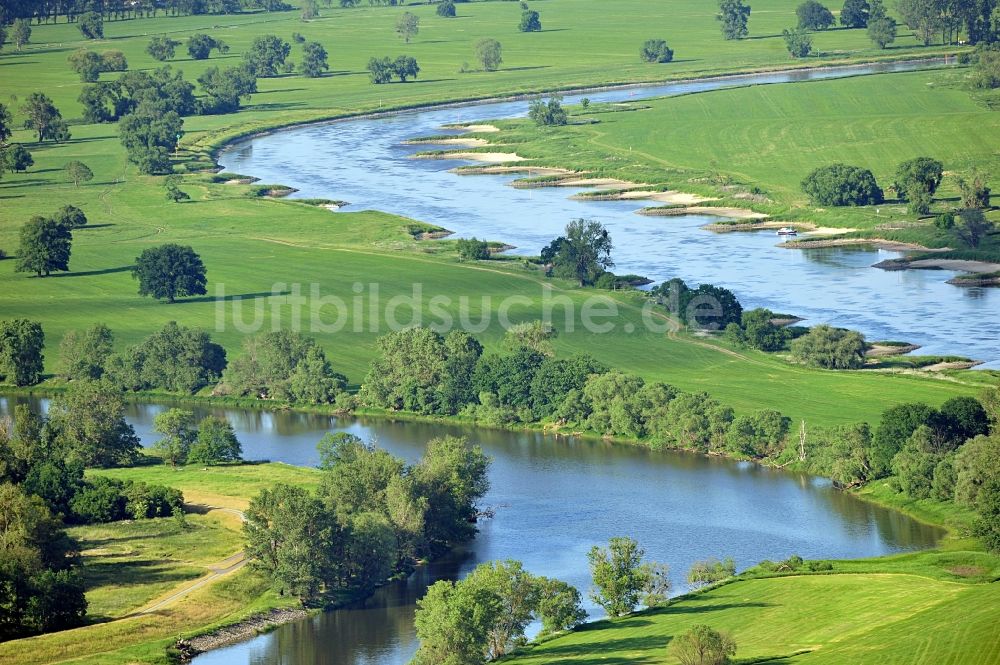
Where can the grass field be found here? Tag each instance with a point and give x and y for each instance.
(841, 618)
(770, 137)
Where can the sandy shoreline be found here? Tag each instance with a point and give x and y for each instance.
(487, 157)
(468, 142)
(958, 265)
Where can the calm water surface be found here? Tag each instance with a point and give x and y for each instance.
(554, 499)
(365, 162)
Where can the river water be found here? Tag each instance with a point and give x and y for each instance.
(365, 162)
(554, 499)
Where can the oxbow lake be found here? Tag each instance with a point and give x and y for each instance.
(555, 498)
(367, 163)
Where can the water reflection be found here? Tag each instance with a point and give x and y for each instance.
(555, 498)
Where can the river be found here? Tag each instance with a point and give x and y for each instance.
(366, 162)
(554, 499)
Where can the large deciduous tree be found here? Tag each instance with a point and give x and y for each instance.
(585, 252)
(733, 17)
(21, 345)
(45, 246)
(266, 55)
(814, 16)
(855, 14)
(90, 419)
(43, 117)
(169, 272)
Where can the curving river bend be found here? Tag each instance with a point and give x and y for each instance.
(554, 499)
(365, 162)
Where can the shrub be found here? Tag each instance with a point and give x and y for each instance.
(830, 348)
(446, 9)
(656, 50)
(842, 185)
(472, 249)
(814, 16)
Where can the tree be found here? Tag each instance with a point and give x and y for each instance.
(618, 575)
(972, 227)
(921, 16)
(83, 356)
(710, 571)
(407, 26)
(356, 475)
(266, 55)
(310, 10)
(987, 524)
(516, 597)
(91, 25)
(471, 249)
(45, 246)
(814, 16)
(78, 172)
(758, 435)
(380, 70)
(842, 185)
(291, 539)
(314, 60)
(90, 419)
(913, 466)
(854, 14)
(21, 33)
(216, 443)
(701, 645)
(734, 17)
(17, 159)
(162, 48)
(175, 194)
(313, 381)
(974, 189)
(585, 252)
(881, 27)
(758, 331)
(21, 345)
(87, 64)
(489, 53)
(446, 9)
(44, 118)
(452, 622)
(897, 426)
(830, 348)
(113, 61)
(174, 358)
(656, 50)
(975, 466)
(534, 335)
(169, 271)
(530, 21)
(798, 42)
(452, 475)
(150, 135)
(200, 46)
(547, 114)
(558, 606)
(177, 428)
(225, 89)
(916, 181)
(405, 66)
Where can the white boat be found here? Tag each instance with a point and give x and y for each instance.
(787, 231)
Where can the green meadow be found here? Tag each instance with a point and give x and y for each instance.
(769, 137)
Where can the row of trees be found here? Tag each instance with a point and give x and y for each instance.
(50, 11)
(384, 69)
(373, 516)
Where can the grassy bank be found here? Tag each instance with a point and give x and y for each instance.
(751, 147)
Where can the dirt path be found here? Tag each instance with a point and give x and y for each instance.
(229, 565)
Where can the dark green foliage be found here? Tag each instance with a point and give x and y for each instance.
(945, 221)
(16, 159)
(830, 348)
(162, 48)
(621, 579)
(559, 606)
(91, 25)
(708, 307)
(987, 525)
(200, 46)
(159, 91)
(176, 427)
(973, 227)
(285, 366)
(986, 73)
(70, 217)
(584, 252)
(846, 455)
(975, 190)
(21, 345)
(489, 53)
(169, 272)
(314, 60)
(174, 358)
(798, 42)
(150, 135)
(530, 21)
(881, 27)
(916, 181)
(407, 26)
(446, 9)
(472, 249)
(87, 64)
(110, 500)
(45, 247)
(85, 355)
(382, 70)
(547, 114)
(656, 50)
(757, 331)
(814, 16)
(897, 426)
(556, 377)
(113, 61)
(710, 571)
(508, 377)
(405, 67)
(452, 477)
(734, 17)
(266, 56)
(854, 14)
(225, 89)
(42, 116)
(216, 443)
(758, 435)
(90, 420)
(958, 420)
(175, 194)
(842, 185)
(21, 33)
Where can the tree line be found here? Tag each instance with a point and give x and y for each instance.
(372, 517)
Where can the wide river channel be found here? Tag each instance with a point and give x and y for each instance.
(555, 498)
(367, 163)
